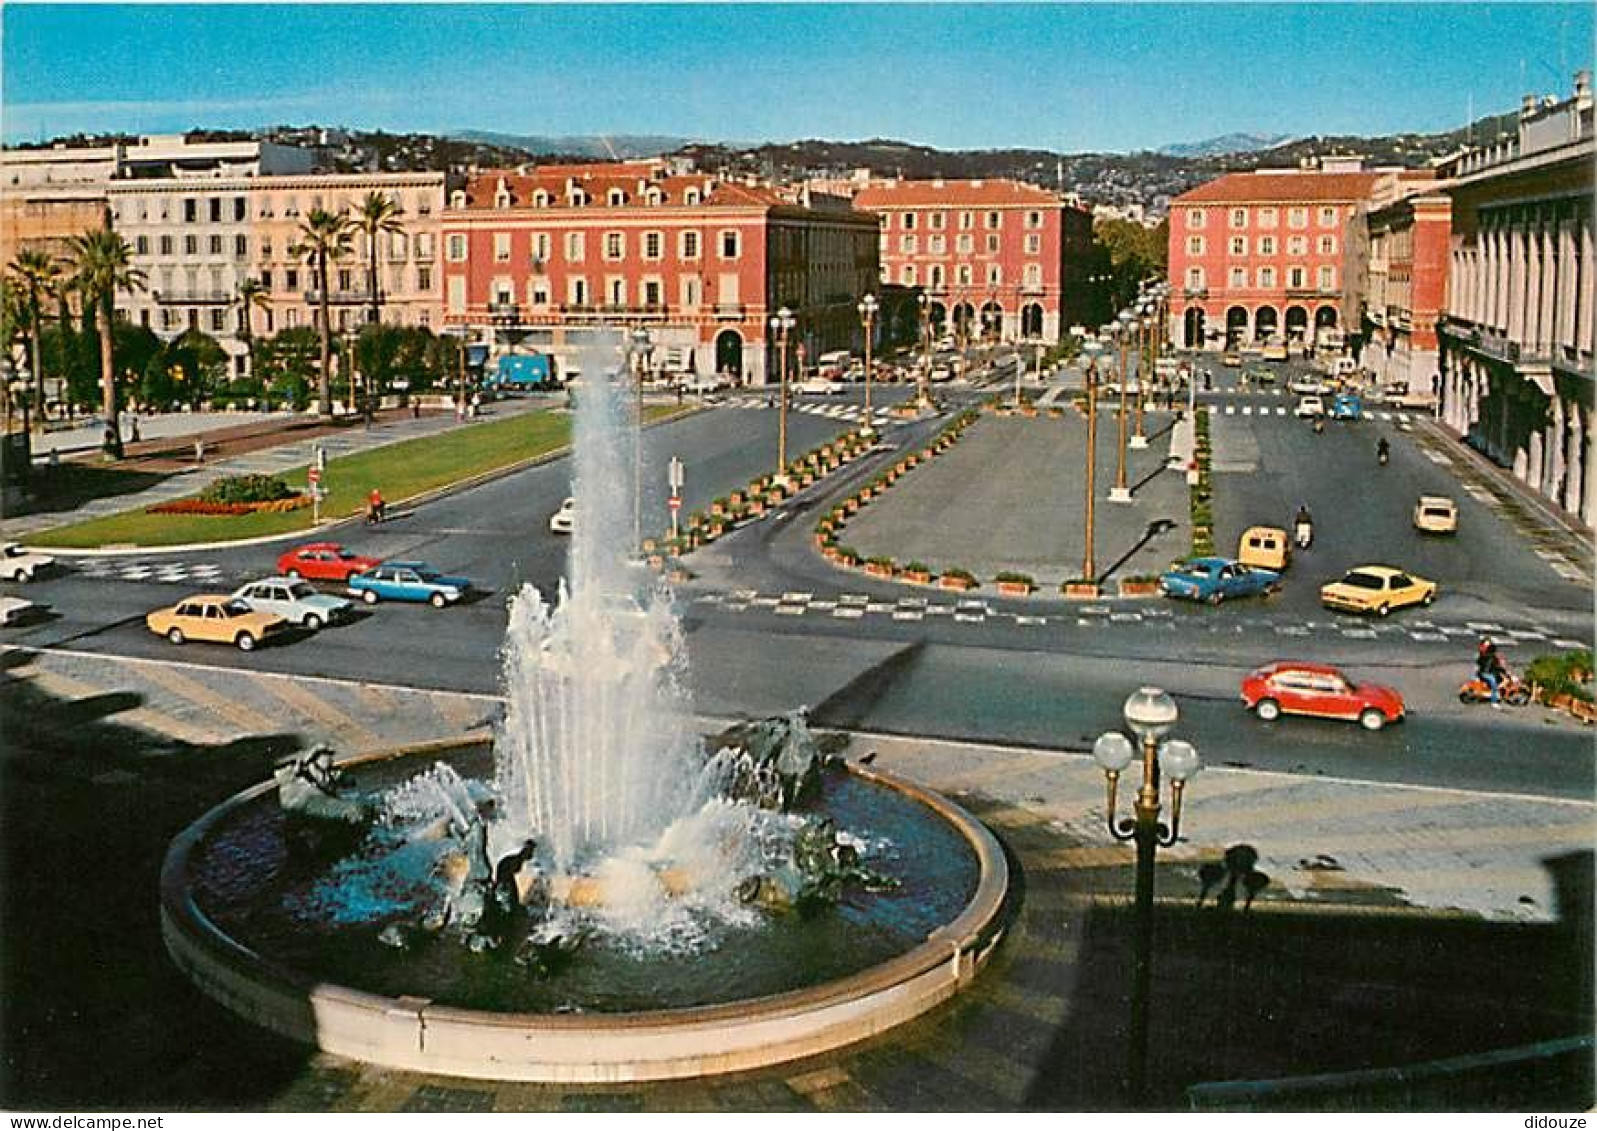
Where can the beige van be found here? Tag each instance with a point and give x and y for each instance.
(1264, 546)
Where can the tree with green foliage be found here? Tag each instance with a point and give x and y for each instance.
(101, 266)
(1128, 253)
(248, 297)
(37, 274)
(286, 364)
(324, 237)
(377, 214)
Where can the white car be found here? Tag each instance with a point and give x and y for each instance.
(19, 564)
(1309, 407)
(820, 386)
(561, 521)
(15, 610)
(703, 383)
(293, 600)
(1307, 385)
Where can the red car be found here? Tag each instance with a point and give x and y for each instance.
(1293, 688)
(324, 561)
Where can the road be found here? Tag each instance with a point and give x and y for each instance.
(769, 624)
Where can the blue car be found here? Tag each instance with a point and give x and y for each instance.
(408, 581)
(1215, 579)
(1346, 406)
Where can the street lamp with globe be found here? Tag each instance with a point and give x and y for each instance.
(868, 307)
(1129, 325)
(782, 323)
(1093, 347)
(1150, 713)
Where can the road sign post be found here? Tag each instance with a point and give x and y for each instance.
(674, 480)
(314, 475)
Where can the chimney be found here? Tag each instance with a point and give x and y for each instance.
(1582, 89)
(1527, 107)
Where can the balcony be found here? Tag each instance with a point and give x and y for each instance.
(729, 310)
(339, 298)
(504, 311)
(195, 297)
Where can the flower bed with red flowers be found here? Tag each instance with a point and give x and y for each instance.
(201, 506)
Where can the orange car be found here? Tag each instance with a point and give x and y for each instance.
(219, 619)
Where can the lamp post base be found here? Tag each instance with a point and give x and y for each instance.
(1139, 442)
(1120, 494)
(866, 430)
(782, 480)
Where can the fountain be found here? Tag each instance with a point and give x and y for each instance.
(601, 893)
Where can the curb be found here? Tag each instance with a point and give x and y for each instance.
(411, 500)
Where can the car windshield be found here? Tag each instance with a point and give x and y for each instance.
(345, 555)
(236, 608)
(1363, 581)
(1198, 569)
(301, 591)
(14, 551)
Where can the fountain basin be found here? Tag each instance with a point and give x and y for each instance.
(416, 1031)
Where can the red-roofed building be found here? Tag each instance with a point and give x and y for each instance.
(532, 255)
(1256, 256)
(1404, 284)
(1014, 253)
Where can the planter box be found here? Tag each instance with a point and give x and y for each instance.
(1014, 589)
(1080, 591)
(656, 562)
(955, 583)
(1139, 588)
(679, 575)
(919, 577)
(876, 570)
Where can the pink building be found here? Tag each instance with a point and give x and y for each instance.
(1256, 256)
(1012, 253)
(534, 254)
(1404, 292)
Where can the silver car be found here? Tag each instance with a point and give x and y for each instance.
(293, 600)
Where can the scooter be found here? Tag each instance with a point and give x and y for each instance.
(1303, 534)
(1511, 690)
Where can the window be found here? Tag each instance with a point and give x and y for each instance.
(503, 291)
(219, 318)
(966, 243)
(396, 247)
(688, 288)
(690, 196)
(424, 245)
(266, 281)
(141, 245)
(216, 209)
(1266, 245)
(1268, 217)
(653, 246)
(1239, 217)
(577, 291)
(455, 247)
(540, 248)
(688, 245)
(166, 245)
(1033, 243)
(992, 243)
(240, 208)
(1239, 245)
(936, 221)
(1327, 245)
(616, 290)
(1239, 277)
(538, 292)
(1267, 277)
(652, 293)
(995, 275)
(1328, 217)
(1297, 245)
(424, 278)
(1033, 275)
(1195, 278)
(615, 245)
(1328, 278)
(191, 245)
(616, 198)
(575, 249)
(291, 317)
(909, 221)
(501, 247)
(967, 221)
(995, 220)
(1034, 219)
(291, 279)
(1294, 278)
(906, 244)
(241, 246)
(191, 211)
(1195, 245)
(907, 276)
(731, 245)
(343, 280)
(540, 199)
(1297, 218)
(962, 274)
(456, 294)
(936, 245)
(1196, 217)
(215, 245)
(935, 278)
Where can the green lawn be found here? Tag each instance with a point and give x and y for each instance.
(398, 470)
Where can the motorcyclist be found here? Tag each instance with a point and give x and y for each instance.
(1383, 450)
(1490, 669)
(375, 507)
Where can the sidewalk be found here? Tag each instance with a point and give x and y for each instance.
(299, 438)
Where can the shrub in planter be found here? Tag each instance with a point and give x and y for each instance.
(1015, 584)
(957, 578)
(880, 566)
(246, 489)
(718, 507)
(918, 572)
(1078, 588)
(848, 555)
(1139, 585)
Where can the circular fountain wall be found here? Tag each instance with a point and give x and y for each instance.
(241, 916)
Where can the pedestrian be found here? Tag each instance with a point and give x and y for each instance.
(55, 458)
(133, 431)
(415, 410)
(199, 449)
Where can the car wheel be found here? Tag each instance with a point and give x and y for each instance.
(245, 642)
(369, 596)
(1430, 595)
(24, 575)
(1371, 719)
(175, 635)
(312, 621)
(437, 601)
(1267, 709)
(1382, 609)
(1216, 597)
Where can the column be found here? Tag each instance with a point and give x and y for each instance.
(1496, 278)
(1588, 475)
(1549, 315)
(1553, 452)
(1514, 321)
(1573, 446)
(1532, 328)
(1583, 290)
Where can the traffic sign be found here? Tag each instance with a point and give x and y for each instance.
(314, 475)
(674, 502)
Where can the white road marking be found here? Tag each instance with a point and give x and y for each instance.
(1022, 619)
(848, 612)
(791, 610)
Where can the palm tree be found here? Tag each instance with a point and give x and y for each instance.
(377, 213)
(101, 266)
(250, 296)
(323, 237)
(38, 274)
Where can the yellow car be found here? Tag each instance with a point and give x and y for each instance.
(1436, 514)
(220, 619)
(1376, 589)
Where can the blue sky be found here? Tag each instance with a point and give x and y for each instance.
(1071, 77)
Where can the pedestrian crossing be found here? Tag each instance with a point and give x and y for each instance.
(852, 413)
(164, 572)
(1401, 419)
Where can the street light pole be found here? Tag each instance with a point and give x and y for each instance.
(1120, 493)
(867, 312)
(1089, 568)
(1150, 713)
(640, 347)
(923, 397)
(782, 323)
(1144, 371)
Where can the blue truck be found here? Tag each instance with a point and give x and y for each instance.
(527, 371)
